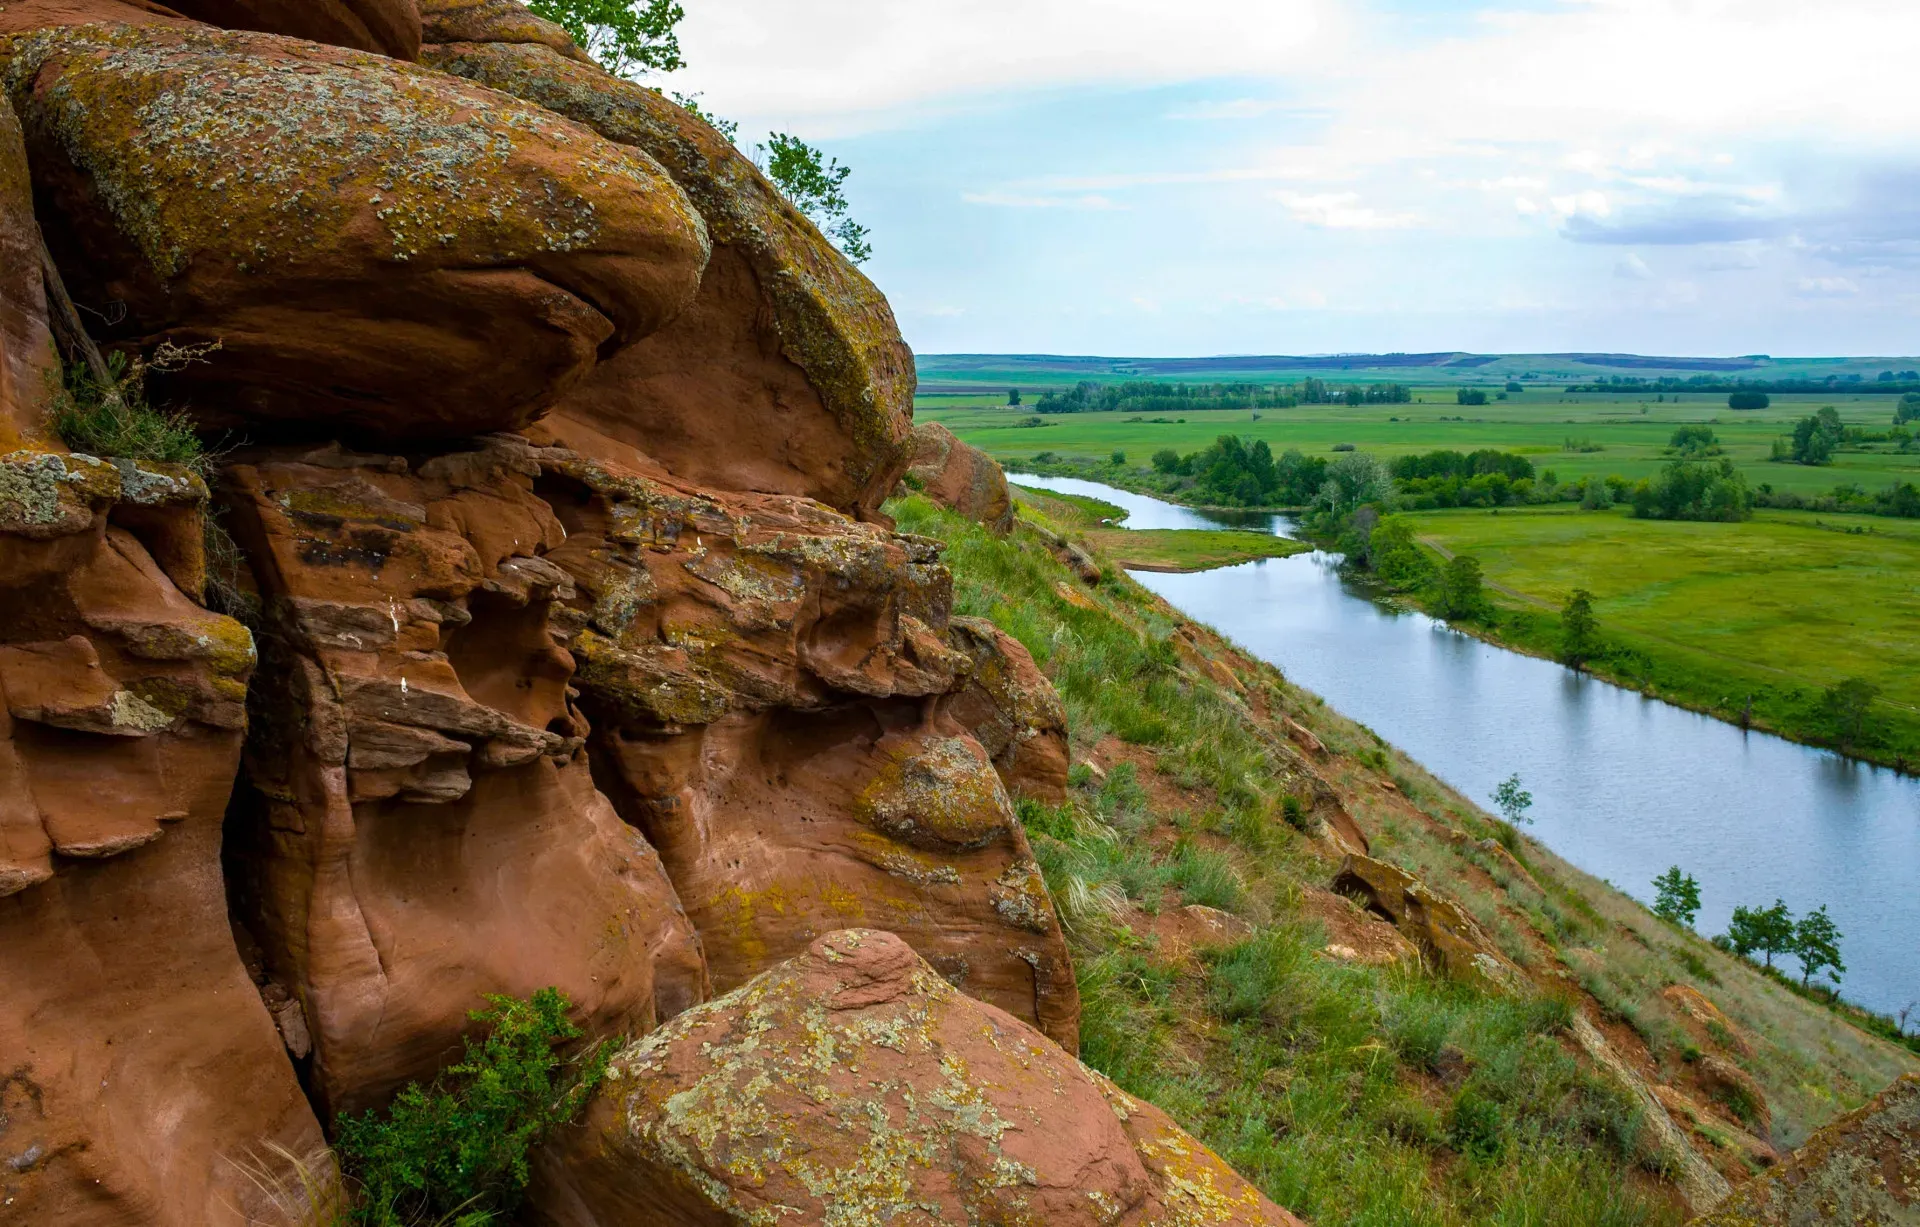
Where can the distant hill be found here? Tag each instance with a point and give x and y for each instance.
(956, 374)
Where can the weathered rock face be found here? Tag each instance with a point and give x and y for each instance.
(389, 27)
(494, 21)
(453, 268)
(27, 357)
(787, 374)
(853, 1084)
(961, 478)
(421, 826)
(1862, 1170)
(1442, 930)
(1014, 711)
(138, 1057)
(780, 705)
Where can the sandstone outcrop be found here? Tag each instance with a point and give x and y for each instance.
(138, 1059)
(453, 268)
(853, 1084)
(1446, 936)
(961, 478)
(389, 27)
(1862, 1170)
(787, 374)
(783, 704)
(420, 826)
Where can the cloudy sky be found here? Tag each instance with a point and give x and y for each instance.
(1302, 176)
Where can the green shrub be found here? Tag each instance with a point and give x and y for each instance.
(1475, 1124)
(456, 1151)
(1206, 877)
(114, 419)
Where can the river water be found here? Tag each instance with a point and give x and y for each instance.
(1623, 786)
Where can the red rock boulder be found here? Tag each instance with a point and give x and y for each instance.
(961, 478)
(27, 358)
(787, 375)
(1447, 937)
(376, 248)
(855, 1081)
(1862, 1170)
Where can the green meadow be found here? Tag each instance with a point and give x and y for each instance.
(1628, 432)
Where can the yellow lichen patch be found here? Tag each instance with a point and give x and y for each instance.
(942, 792)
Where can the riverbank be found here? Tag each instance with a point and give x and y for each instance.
(1171, 551)
(1747, 623)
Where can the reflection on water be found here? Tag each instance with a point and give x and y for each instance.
(1623, 786)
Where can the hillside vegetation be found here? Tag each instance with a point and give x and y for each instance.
(1287, 1027)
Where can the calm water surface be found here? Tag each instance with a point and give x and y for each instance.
(1623, 786)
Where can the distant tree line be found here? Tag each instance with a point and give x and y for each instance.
(1145, 396)
(1888, 381)
(1235, 473)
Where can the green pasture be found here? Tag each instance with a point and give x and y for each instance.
(1779, 607)
(1155, 549)
(1632, 432)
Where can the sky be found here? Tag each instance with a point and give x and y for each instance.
(1713, 177)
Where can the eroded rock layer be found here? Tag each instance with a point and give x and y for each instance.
(138, 1066)
(854, 1084)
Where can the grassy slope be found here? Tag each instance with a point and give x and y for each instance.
(1537, 424)
(1354, 1094)
(1777, 608)
(1160, 549)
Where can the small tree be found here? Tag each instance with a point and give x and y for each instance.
(1013, 397)
(1513, 801)
(1768, 930)
(814, 183)
(1676, 897)
(1749, 400)
(1579, 630)
(628, 37)
(1119, 457)
(1848, 706)
(1905, 1012)
(1461, 593)
(1816, 939)
(1166, 460)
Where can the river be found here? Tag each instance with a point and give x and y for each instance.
(1623, 785)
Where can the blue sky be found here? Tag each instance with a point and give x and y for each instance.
(1287, 176)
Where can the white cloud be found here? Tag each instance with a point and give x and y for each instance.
(858, 62)
(1014, 200)
(1825, 287)
(1236, 108)
(1583, 204)
(1524, 206)
(1341, 211)
(1631, 267)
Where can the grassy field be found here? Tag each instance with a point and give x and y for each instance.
(1777, 608)
(1356, 1093)
(1162, 549)
(1630, 434)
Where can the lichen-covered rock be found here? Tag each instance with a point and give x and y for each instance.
(27, 357)
(376, 247)
(781, 703)
(389, 27)
(139, 1064)
(1445, 934)
(1014, 711)
(854, 1086)
(1862, 1170)
(787, 374)
(419, 824)
(960, 477)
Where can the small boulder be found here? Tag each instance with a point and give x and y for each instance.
(854, 1084)
(1863, 1170)
(1442, 930)
(961, 478)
